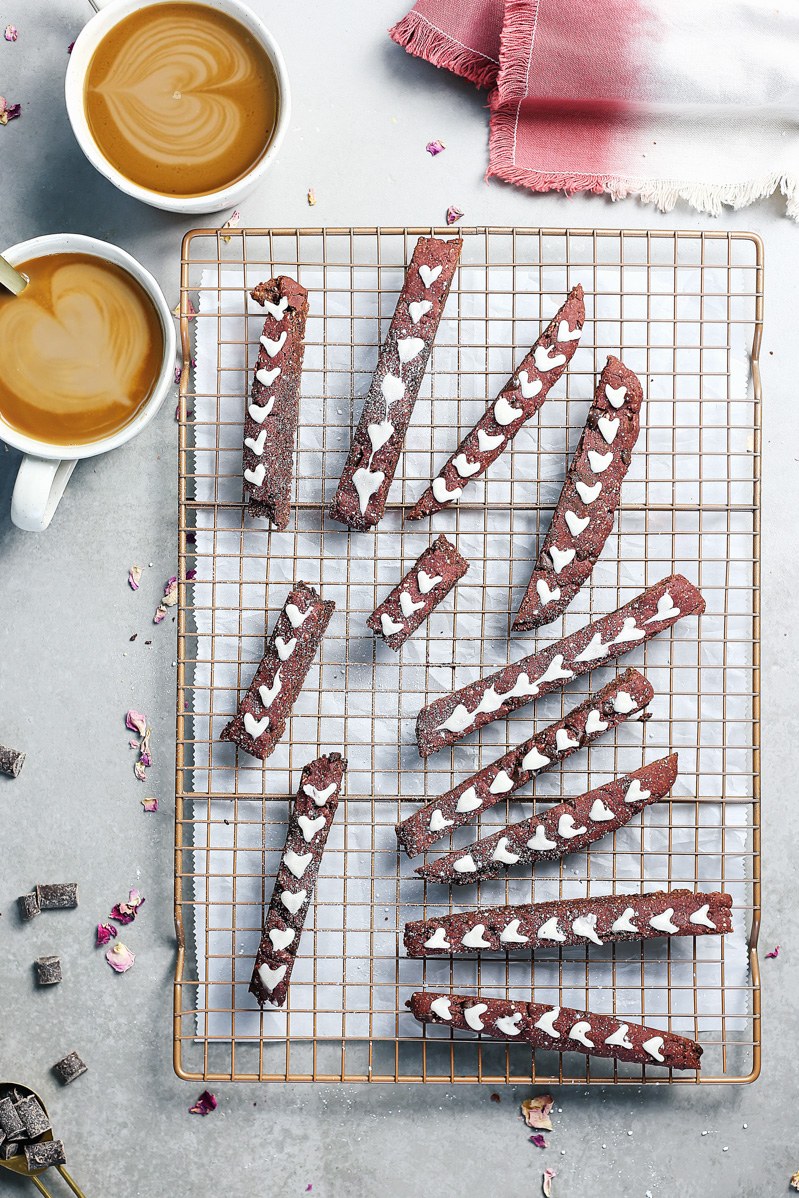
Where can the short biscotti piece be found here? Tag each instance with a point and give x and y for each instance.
(567, 828)
(422, 589)
(519, 399)
(559, 1029)
(309, 824)
(587, 506)
(360, 500)
(622, 699)
(270, 422)
(454, 716)
(261, 718)
(570, 922)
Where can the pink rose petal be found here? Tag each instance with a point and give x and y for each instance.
(120, 958)
(774, 953)
(435, 147)
(204, 1104)
(453, 214)
(232, 223)
(536, 1111)
(150, 804)
(136, 721)
(538, 1140)
(138, 770)
(546, 1182)
(134, 577)
(105, 932)
(10, 33)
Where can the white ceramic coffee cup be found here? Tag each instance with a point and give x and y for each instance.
(44, 471)
(111, 12)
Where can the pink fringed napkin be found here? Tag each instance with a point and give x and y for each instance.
(663, 99)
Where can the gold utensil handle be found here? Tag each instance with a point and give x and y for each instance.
(11, 278)
(73, 1185)
(39, 1185)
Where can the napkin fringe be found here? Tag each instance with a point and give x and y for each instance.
(416, 35)
(518, 39)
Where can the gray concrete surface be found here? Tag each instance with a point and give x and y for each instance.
(363, 111)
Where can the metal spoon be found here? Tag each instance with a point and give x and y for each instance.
(18, 1164)
(10, 278)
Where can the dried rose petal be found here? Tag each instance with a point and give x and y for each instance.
(191, 312)
(795, 1180)
(120, 958)
(536, 1111)
(546, 1182)
(204, 1104)
(146, 759)
(232, 223)
(125, 913)
(138, 770)
(170, 593)
(150, 804)
(538, 1140)
(105, 932)
(10, 34)
(69, 47)
(774, 953)
(496, 1098)
(453, 214)
(134, 577)
(178, 373)
(191, 575)
(311, 197)
(136, 721)
(435, 147)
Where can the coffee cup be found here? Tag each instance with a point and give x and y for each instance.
(110, 14)
(46, 467)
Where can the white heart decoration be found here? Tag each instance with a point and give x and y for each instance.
(464, 467)
(256, 446)
(544, 361)
(586, 493)
(366, 482)
(281, 937)
(505, 413)
(295, 863)
(636, 793)
(285, 648)
(567, 334)
(468, 801)
(277, 310)
(271, 977)
(407, 604)
(389, 626)
(666, 609)
(429, 274)
(309, 827)
(576, 525)
(487, 443)
(608, 428)
(320, 797)
(379, 434)
(594, 650)
(600, 813)
(561, 557)
(544, 593)
(438, 823)
(293, 902)
(267, 377)
(615, 395)
(418, 309)
(256, 476)
(274, 347)
(426, 583)
(440, 492)
(409, 348)
(269, 693)
(253, 727)
(530, 387)
(295, 616)
(258, 414)
(393, 388)
(567, 829)
(599, 462)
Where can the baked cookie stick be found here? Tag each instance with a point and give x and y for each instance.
(454, 716)
(622, 699)
(587, 505)
(567, 828)
(570, 922)
(519, 399)
(559, 1029)
(309, 824)
(361, 497)
(270, 422)
(422, 589)
(261, 718)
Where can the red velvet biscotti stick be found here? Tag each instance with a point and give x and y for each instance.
(424, 586)
(368, 473)
(559, 1029)
(454, 716)
(309, 824)
(566, 828)
(587, 506)
(261, 718)
(570, 922)
(270, 422)
(622, 699)
(519, 399)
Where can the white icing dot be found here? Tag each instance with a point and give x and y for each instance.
(295, 863)
(586, 493)
(701, 917)
(535, 760)
(429, 274)
(253, 727)
(653, 1046)
(271, 977)
(409, 348)
(274, 347)
(563, 741)
(267, 377)
(625, 922)
(472, 1015)
(440, 1007)
(585, 925)
(468, 801)
(635, 793)
(594, 723)
(464, 467)
(281, 938)
(619, 1037)
(465, 865)
(511, 935)
(426, 583)
(608, 428)
(293, 902)
(544, 593)
(505, 413)
(418, 309)
(486, 443)
(599, 462)
(256, 476)
(440, 492)
(507, 1024)
(502, 853)
(561, 557)
(539, 843)
(320, 797)
(502, 783)
(663, 922)
(547, 1023)
(547, 359)
(615, 395)
(309, 827)
(407, 604)
(566, 827)
(438, 940)
(551, 931)
(438, 823)
(580, 1033)
(600, 813)
(474, 938)
(594, 650)
(285, 648)
(259, 414)
(529, 387)
(665, 609)
(575, 524)
(257, 445)
(297, 617)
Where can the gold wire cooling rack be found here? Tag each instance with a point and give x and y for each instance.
(684, 309)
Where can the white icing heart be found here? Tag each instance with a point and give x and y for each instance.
(600, 813)
(409, 348)
(285, 648)
(277, 310)
(296, 617)
(468, 801)
(309, 827)
(551, 931)
(563, 741)
(267, 377)
(271, 977)
(269, 693)
(561, 557)
(464, 467)
(629, 632)
(636, 793)
(615, 395)
(624, 703)
(465, 865)
(664, 922)
(407, 604)
(388, 625)
(594, 723)
(539, 843)
(501, 784)
(426, 583)
(474, 937)
(505, 413)
(507, 1024)
(575, 524)
(393, 388)
(379, 434)
(533, 760)
(510, 934)
(502, 853)
(567, 828)
(619, 1037)
(594, 650)
(295, 863)
(320, 797)
(274, 347)
(567, 334)
(544, 593)
(293, 902)
(472, 1015)
(439, 940)
(625, 922)
(547, 359)
(253, 727)
(701, 917)
(440, 492)
(547, 1023)
(580, 1033)
(256, 476)
(653, 1046)
(530, 387)
(257, 446)
(418, 309)
(599, 462)
(440, 1006)
(586, 493)
(608, 428)
(259, 414)
(366, 482)
(665, 609)
(281, 937)
(429, 274)
(487, 443)
(585, 925)
(438, 823)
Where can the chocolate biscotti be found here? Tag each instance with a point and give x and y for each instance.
(566, 828)
(587, 506)
(270, 422)
(519, 399)
(624, 698)
(368, 473)
(261, 719)
(454, 716)
(309, 824)
(570, 922)
(559, 1029)
(424, 586)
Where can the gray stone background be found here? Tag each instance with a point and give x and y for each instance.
(363, 111)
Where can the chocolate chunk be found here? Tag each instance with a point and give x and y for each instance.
(69, 1068)
(9, 1149)
(58, 896)
(45, 1155)
(10, 1121)
(48, 970)
(33, 1116)
(11, 761)
(28, 906)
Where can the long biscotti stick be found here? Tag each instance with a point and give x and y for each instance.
(413, 599)
(622, 699)
(454, 716)
(570, 922)
(261, 718)
(519, 399)
(270, 422)
(587, 506)
(368, 473)
(309, 824)
(559, 1029)
(567, 828)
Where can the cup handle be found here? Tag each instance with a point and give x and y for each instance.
(40, 484)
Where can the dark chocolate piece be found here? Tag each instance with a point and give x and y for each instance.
(10, 1122)
(28, 905)
(48, 970)
(587, 506)
(45, 1155)
(261, 719)
(33, 1116)
(569, 922)
(566, 828)
(70, 1067)
(519, 399)
(59, 896)
(449, 719)
(360, 500)
(622, 699)
(424, 586)
(9, 1149)
(11, 761)
(270, 421)
(309, 823)
(559, 1029)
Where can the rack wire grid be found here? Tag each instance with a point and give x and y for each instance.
(683, 309)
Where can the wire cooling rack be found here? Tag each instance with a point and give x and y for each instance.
(684, 310)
